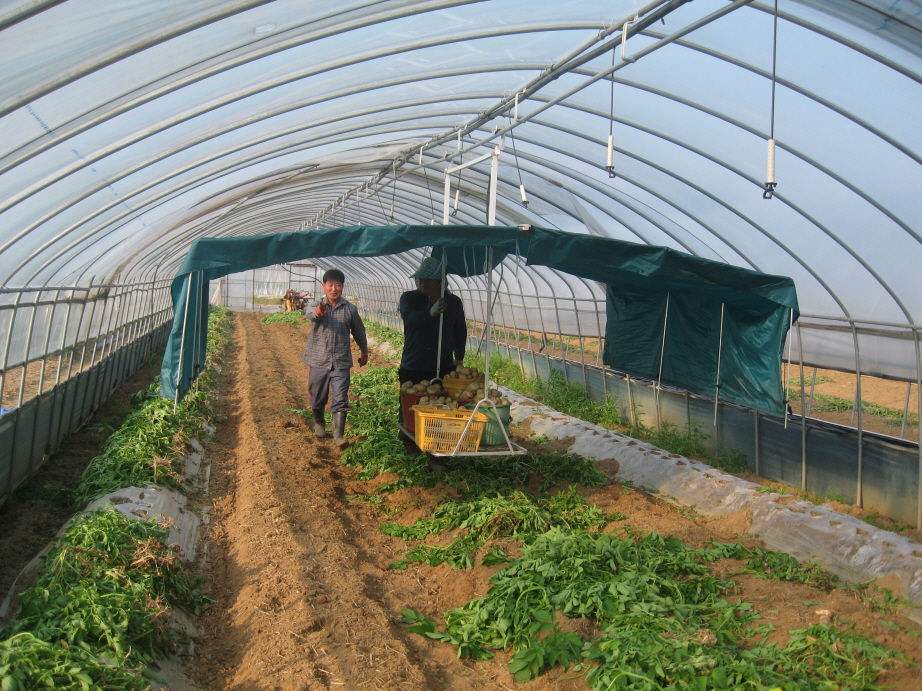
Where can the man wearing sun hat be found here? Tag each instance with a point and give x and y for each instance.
(421, 310)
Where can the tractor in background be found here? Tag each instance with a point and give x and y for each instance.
(293, 301)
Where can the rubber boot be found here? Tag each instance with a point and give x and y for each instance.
(320, 423)
(339, 429)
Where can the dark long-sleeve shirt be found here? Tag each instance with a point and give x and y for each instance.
(421, 332)
(328, 345)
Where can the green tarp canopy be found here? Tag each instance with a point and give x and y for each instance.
(670, 316)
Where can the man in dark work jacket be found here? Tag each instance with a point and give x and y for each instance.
(420, 310)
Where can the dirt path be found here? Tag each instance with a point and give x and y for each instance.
(298, 566)
(304, 599)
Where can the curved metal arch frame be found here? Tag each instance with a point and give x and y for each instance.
(117, 54)
(750, 222)
(163, 155)
(206, 177)
(793, 206)
(151, 92)
(602, 189)
(111, 149)
(297, 76)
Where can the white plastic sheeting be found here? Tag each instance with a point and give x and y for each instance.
(128, 130)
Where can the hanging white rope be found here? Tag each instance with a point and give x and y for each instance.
(610, 160)
(454, 211)
(519, 171)
(770, 182)
(393, 218)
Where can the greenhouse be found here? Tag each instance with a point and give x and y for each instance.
(702, 216)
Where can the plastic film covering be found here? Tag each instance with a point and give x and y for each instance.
(130, 130)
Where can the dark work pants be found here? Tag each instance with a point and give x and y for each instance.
(321, 380)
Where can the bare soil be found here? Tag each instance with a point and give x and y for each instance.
(884, 392)
(297, 564)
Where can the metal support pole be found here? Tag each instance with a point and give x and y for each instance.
(559, 341)
(25, 359)
(518, 285)
(787, 379)
(6, 348)
(860, 487)
(6, 352)
(630, 401)
(137, 329)
(70, 362)
(582, 347)
(803, 414)
(486, 351)
(438, 352)
(494, 175)
(70, 305)
(720, 344)
(182, 343)
(114, 335)
(906, 409)
(919, 427)
(47, 343)
(106, 346)
(758, 458)
(812, 388)
(659, 377)
(196, 344)
(58, 414)
(41, 378)
(89, 328)
(102, 321)
(445, 204)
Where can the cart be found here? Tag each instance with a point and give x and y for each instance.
(464, 431)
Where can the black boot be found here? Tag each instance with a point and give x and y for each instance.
(320, 423)
(339, 428)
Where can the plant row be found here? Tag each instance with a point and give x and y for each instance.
(571, 398)
(98, 615)
(655, 614)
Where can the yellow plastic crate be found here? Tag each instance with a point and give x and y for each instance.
(439, 429)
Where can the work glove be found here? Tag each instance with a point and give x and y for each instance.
(438, 307)
(363, 360)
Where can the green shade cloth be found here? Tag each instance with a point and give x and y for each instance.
(650, 291)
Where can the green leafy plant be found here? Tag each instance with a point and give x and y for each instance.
(732, 461)
(517, 515)
(662, 619)
(145, 448)
(102, 594)
(27, 663)
(809, 381)
(296, 318)
(384, 334)
(654, 616)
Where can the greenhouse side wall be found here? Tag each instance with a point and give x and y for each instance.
(819, 457)
(105, 350)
